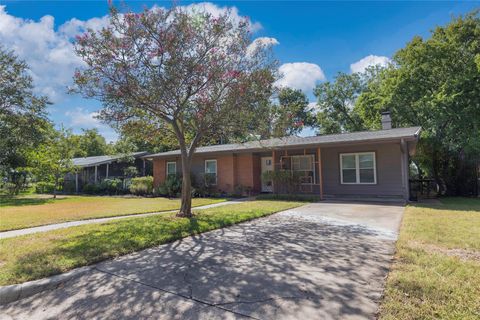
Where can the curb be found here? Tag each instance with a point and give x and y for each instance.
(16, 292)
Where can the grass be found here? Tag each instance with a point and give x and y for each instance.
(43, 254)
(36, 210)
(436, 273)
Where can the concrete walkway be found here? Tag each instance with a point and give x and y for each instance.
(319, 261)
(50, 227)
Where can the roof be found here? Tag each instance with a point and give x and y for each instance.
(409, 134)
(98, 160)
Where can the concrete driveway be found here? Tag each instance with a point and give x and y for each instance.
(320, 261)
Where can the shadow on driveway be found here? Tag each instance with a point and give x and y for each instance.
(280, 267)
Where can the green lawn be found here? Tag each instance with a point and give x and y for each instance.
(436, 273)
(36, 210)
(39, 255)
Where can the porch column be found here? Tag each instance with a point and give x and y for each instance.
(106, 173)
(96, 171)
(76, 182)
(320, 177)
(273, 169)
(143, 169)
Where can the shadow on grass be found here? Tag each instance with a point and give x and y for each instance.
(114, 239)
(452, 204)
(15, 201)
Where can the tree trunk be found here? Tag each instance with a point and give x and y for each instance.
(187, 155)
(186, 206)
(55, 189)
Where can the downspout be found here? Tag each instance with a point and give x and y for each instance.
(404, 166)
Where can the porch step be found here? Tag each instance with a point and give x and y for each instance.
(364, 198)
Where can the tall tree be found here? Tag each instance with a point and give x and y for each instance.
(52, 160)
(435, 83)
(91, 143)
(336, 101)
(291, 114)
(193, 72)
(147, 135)
(23, 116)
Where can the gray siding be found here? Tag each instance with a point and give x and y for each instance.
(389, 171)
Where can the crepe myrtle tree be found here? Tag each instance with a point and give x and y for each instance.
(192, 71)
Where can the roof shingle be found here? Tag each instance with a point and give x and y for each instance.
(97, 160)
(410, 133)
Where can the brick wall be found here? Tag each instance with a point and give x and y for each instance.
(244, 174)
(232, 170)
(159, 171)
(225, 173)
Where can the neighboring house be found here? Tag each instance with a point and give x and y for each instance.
(93, 170)
(365, 164)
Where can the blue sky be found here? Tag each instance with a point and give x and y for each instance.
(312, 40)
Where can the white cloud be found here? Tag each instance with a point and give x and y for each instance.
(48, 53)
(313, 106)
(74, 26)
(260, 43)
(80, 117)
(216, 11)
(368, 61)
(300, 75)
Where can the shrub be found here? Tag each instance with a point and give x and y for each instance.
(69, 186)
(107, 186)
(285, 181)
(44, 187)
(171, 187)
(141, 185)
(241, 191)
(14, 181)
(111, 186)
(90, 188)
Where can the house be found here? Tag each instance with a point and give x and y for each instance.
(358, 164)
(92, 170)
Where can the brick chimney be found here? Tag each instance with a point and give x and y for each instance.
(386, 120)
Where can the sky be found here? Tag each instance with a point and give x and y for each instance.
(312, 40)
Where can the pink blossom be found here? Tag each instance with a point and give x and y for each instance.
(232, 74)
(299, 123)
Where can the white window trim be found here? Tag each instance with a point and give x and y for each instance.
(216, 170)
(357, 167)
(166, 167)
(312, 156)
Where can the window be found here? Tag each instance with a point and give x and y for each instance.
(210, 172)
(171, 169)
(358, 168)
(304, 166)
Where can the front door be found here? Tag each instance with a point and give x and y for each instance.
(267, 165)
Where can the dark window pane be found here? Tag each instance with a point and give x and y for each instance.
(367, 176)
(349, 176)
(171, 168)
(210, 179)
